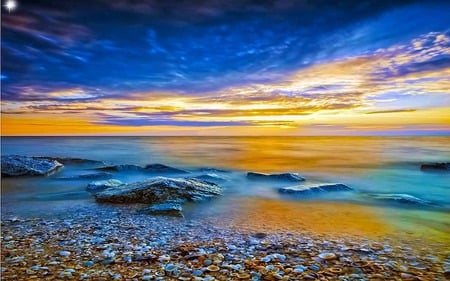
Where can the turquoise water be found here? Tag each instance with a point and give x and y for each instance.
(367, 164)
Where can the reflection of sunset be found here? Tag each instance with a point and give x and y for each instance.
(337, 219)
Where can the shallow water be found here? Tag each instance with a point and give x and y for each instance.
(367, 164)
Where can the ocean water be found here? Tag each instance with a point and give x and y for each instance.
(370, 165)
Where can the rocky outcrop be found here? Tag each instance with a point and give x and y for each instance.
(443, 167)
(163, 169)
(405, 199)
(118, 168)
(90, 176)
(314, 188)
(101, 185)
(160, 190)
(165, 209)
(15, 165)
(210, 178)
(69, 160)
(289, 177)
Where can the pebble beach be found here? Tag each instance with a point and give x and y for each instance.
(110, 243)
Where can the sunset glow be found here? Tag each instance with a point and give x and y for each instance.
(200, 74)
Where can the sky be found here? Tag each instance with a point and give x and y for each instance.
(234, 67)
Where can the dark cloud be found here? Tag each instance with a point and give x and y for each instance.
(192, 46)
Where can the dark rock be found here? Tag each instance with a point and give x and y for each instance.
(212, 170)
(314, 188)
(160, 190)
(100, 185)
(163, 169)
(15, 165)
(165, 209)
(260, 235)
(118, 168)
(435, 167)
(291, 177)
(400, 198)
(68, 160)
(210, 178)
(92, 176)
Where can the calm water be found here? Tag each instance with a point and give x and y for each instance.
(368, 164)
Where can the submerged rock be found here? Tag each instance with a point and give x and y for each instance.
(166, 209)
(69, 160)
(100, 185)
(15, 165)
(291, 177)
(93, 176)
(210, 178)
(160, 190)
(400, 198)
(163, 169)
(435, 167)
(118, 168)
(314, 188)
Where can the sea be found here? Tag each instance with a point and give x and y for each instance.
(372, 166)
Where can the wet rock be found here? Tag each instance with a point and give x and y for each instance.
(100, 185)
(165, 209)
(118, 168)
(443, 167)
(400, 198)
(259, 235)
(212, 170)
(93, 176)
(211, 178)
(69, 160)
(290, 177)
(163, 169)
(15, 165)
(160, 190)
(314, 188)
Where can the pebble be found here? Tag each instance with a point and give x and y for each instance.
(64, 253)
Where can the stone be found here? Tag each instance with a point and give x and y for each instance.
(64, 253)
(118, 168)
(290, 177)
(15, 165)
(314, 188)
(210, 178)
(163, 169)
(160, 190)
(443, 167)
(165, 209)
(70, 160)
(400, 198)
(100, 185)
(93, 176)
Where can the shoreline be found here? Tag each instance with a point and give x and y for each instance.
(108, 242)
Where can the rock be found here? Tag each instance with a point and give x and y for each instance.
(118, 168)
(68, 160)
(163, 169)
(259, 235)
(400, 198)
(160, 190)
(436, 167)
(212, 170)
(210, 178)
(64, 253)
(15, 165)
(314, 188)
(93, 176)
(167, 209)
(291, 177)
(100, 185)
